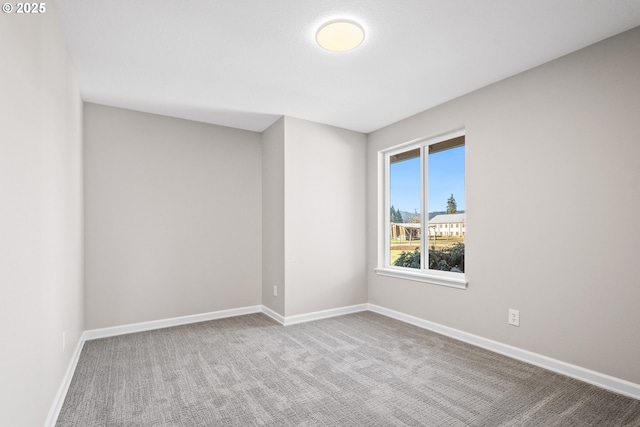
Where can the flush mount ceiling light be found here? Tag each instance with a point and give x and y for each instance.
(340, 36)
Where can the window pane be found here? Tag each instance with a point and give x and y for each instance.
(404, 198)
(446, 202)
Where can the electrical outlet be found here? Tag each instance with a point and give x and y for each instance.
(514, 317)
(64, 341)
(275, 291)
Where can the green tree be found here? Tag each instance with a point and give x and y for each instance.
(395, 215)
(452, 207)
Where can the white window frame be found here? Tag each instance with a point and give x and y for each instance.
(384, 268)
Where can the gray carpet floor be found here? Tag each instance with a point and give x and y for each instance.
(362, 369)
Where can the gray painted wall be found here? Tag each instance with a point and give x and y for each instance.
(41, 215)
(552, 207)
(273, 220)
(325, 264)
(312, 181)
(172, 217)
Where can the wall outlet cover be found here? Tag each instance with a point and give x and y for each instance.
(514, 317)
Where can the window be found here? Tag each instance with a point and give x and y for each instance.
(422, 194)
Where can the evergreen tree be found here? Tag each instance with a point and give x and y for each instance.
(395, 216)
(452, 207)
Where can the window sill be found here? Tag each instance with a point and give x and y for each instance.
(442, 278)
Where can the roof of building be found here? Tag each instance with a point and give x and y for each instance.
(438, 219)
(447, 219)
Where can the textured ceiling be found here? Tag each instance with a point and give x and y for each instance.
(244, 63)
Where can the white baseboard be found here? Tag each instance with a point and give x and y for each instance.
(324, 314)
(56, 407)
(275, 316)
(316, 315)
(608, 382)
(166, 323)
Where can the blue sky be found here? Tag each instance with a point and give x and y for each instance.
(446, 177)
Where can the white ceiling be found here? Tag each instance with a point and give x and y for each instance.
(244, 63)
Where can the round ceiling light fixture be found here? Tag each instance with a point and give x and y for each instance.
(340, 36)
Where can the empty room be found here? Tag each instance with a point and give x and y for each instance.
(327, 213)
